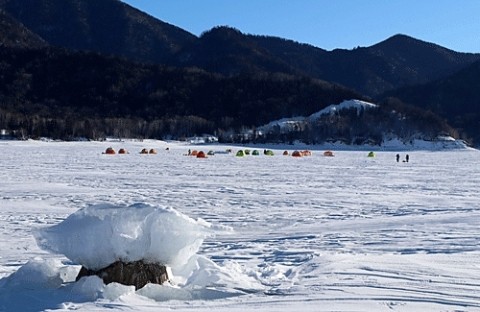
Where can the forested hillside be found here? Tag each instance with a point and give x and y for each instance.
(57, 93)
(115, 28)
(91, 69)
(455, 98)
(15, 34)
(105, 26)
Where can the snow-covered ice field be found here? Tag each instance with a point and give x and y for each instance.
(343, 233)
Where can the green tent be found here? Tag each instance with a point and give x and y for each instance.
(255, 153)
(240, 153)
(371, 154)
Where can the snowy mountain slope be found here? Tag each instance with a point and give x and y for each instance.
(290, 124)
(355, 122)
(332, 109)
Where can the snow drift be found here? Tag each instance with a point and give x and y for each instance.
(99, 235)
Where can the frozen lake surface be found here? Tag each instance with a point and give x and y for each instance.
(343, 233)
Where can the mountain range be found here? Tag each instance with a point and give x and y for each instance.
(124, 41)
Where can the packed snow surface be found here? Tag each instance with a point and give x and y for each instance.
(266, 233)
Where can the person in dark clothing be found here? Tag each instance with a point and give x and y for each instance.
(398, 157)
(407, 158)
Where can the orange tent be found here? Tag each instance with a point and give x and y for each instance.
(328, 154)
(201, 154)
(122, 151)
(194, 153)
(297, 154)
(144, 151)
(306, 153)
(285, 153)
(152, 151)
(110, 151)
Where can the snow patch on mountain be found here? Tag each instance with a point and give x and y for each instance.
(333, 109)
(299, 122)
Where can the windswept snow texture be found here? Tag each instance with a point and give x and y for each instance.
(343, 233)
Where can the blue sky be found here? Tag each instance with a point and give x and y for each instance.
(330, 24)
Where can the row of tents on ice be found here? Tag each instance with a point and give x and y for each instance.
(267, 152)
(240, 153)
(200, 154)
(246, 152)
(111, 151)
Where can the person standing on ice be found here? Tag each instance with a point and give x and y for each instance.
(398, 157)
(407, 158)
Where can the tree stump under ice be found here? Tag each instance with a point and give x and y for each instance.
(137, 273)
